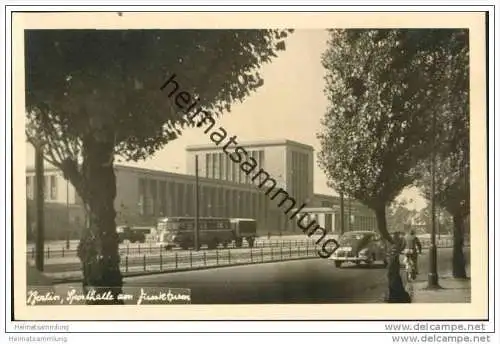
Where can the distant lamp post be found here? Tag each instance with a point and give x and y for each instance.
(40, 204)
(196, 206)
(437, 208)
(342, 214)
(68, 215)
(432, 278)
(438, 223)
(350, 213)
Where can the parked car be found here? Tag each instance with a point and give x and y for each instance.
(126, 233)
(147, 231)
(360, 247)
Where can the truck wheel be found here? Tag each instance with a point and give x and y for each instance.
(251, 241)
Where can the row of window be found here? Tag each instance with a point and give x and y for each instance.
(351, 223)
(300, 175)
(357, 223)
(167, 198)
(299, 184)
(203, 225)
(50, 187)
(220, 166)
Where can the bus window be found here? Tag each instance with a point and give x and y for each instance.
(173, 226)
(187, 226)
(162, 225)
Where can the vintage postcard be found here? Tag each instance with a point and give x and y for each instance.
(250, 166)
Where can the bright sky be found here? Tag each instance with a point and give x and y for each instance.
(289, 105)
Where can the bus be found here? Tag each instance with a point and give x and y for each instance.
(244, 229)
(179, 232)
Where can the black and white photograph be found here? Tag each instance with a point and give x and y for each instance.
(206, 166)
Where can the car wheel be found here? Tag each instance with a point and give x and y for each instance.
(238, 242)
(251, 242)
(370, 260)
(338, 264)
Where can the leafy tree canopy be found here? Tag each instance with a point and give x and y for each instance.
(399, 215)
(372, 131)
(106, 83)
(452, 134)
(95, 94)
(383, 88)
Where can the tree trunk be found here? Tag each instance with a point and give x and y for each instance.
(98, 248)
(382, 224)
(458, 260)
(396, 292)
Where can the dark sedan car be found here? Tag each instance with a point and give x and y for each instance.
(128, 234)
(360, 247)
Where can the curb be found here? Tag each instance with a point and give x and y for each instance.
(56, 281)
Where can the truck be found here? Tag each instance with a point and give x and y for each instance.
(244, 229)
(131, 234)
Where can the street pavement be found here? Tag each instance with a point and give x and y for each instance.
(301, 281)
(452, 290)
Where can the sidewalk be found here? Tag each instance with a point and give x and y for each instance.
(453, 291)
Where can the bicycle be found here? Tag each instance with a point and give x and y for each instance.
(410, 270)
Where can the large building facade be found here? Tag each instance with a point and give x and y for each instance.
(287, 163)
(225, 190)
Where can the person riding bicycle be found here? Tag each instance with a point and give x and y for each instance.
(412, 247)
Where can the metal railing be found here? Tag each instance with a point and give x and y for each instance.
(220, 257)
(152, 248)
(189, 260)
